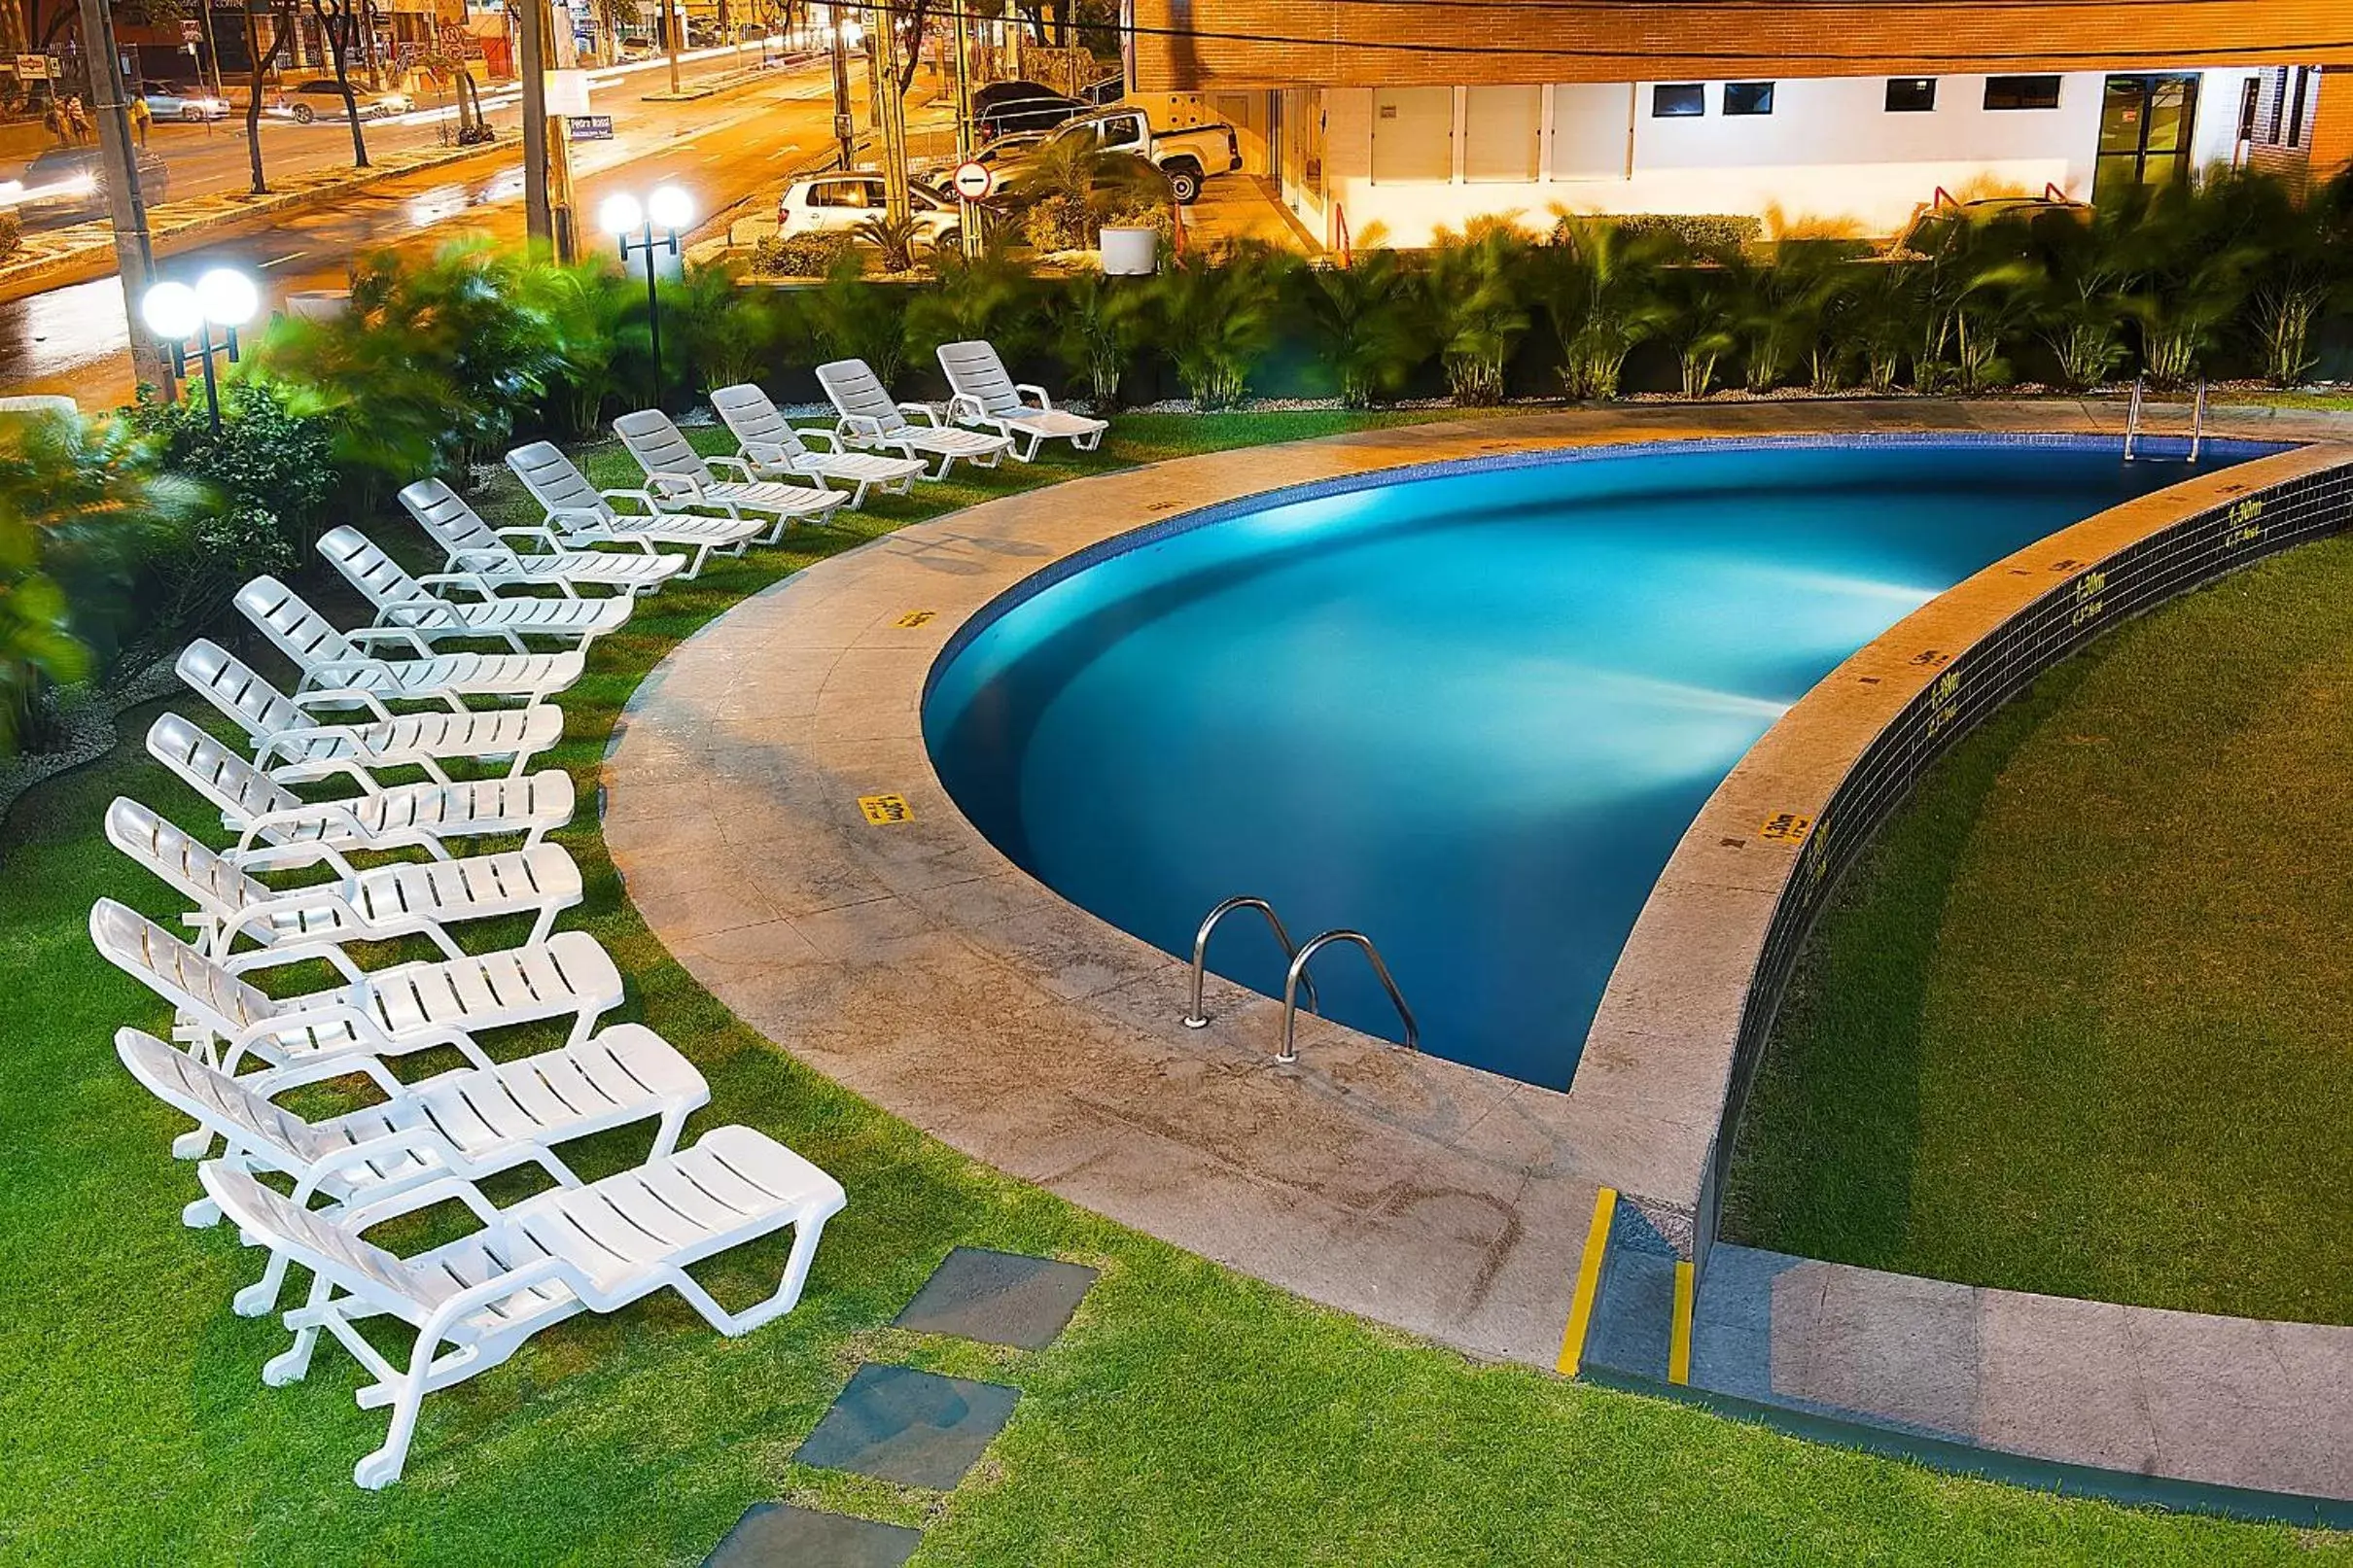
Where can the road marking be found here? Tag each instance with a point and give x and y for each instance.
(281, 259)
(1678, 1334)
(1589, 1282)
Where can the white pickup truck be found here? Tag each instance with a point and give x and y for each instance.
(1187, 156)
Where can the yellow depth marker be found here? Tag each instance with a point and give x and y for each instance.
(1589, 1282)
(1679, 1335)
(883, 810)
(913, 619)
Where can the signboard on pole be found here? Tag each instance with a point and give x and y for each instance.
(592, 127)
(975, 181)
(32, 67)
(192, 32)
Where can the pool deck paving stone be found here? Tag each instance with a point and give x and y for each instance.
(914, 964)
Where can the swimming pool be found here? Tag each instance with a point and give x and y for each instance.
(1468, 710)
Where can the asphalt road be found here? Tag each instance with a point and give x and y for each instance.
(723, 147)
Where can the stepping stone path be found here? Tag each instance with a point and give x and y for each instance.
(915, 1428)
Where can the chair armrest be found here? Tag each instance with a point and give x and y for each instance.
(297, 952)
(277, 1080)
(736, 462)
(672, 487)
(406, 636)
(361, 1216)
(763, 455)
(1045, 401)
(482, 560)
(644, 498)
(340, 697)
(831, 438)
(542, 534)
(929, 415)
(965, 409)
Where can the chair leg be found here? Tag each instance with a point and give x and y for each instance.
(380, 1469)
(256, 1299)
(292, 1365)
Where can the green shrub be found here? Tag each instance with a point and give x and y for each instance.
(12, 234)
(1098, 323)
(1706, 233)
(992, 296)
(800, 256)
(1217, 311)
(1474, 288)
(1370, 321)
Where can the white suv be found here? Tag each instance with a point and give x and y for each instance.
(837, 203)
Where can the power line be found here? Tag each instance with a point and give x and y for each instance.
(2270, 53)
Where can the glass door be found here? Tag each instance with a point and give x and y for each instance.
(2145, 124)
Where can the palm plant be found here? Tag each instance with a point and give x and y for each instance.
(1218, 310)
(893, 238)
(1704, 307)
(1099, 325)
(1596, 280)
(2306, 265)
(597, 317)
(1781, 307)
(847, 318)
(2081, 275)
(1474, 292)
(2194, 256)
(77, 500)
(715, 333)
(992, 296)
(1070, 189)
(1368, 319)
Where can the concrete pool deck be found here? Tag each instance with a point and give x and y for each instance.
(908, 959)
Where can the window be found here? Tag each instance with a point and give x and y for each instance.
(1911, 94)
(1413, 134)
(1500, 126)
(1121, 131)
(2279, 105)
(1592, 122)
(1748, 97)
(2247, 100)
(2295, 112)
(1677, 100)
(2021, 91)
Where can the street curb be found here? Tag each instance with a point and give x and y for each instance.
(89, 242)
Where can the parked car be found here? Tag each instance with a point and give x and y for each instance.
(1188, 157)
(323, 99)
(70, 182)
(837, 203)
(192, 104)
(1034, 112)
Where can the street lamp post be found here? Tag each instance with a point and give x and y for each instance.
(178, 315)
(669, 210)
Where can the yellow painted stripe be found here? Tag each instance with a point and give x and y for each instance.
(1678, 1338)
(1589, 1282)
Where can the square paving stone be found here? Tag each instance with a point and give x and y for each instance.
(916, 1428)
(778, 1535)
(999, 1298)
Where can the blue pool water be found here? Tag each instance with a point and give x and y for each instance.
(1469, 713)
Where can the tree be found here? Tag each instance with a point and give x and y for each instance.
(263, 60)
(338, 21)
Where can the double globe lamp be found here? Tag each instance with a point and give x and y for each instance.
(179, 315)
(643, 229)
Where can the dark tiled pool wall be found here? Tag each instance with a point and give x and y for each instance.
(2086, 599)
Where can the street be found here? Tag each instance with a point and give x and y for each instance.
(743, 138)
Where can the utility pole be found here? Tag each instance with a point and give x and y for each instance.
(557, 48)
(845, 129)
(882, 43)
(968, 225)
(134, 251)
(212, 54)
(539, 221)
(674, 22)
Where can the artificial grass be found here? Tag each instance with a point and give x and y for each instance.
(1188, 1415)
(2078, 1025)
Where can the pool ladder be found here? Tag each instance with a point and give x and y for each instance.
(2132, 418)
(1296, 977)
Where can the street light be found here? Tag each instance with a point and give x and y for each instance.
(668, 209)
(178, 314)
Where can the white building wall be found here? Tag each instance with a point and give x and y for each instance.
(1830, 150)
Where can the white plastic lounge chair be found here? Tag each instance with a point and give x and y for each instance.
(409, 1007)
(598, 1249)
(395, 899)
(771, 448)
(580, 516)
(681, 478)
(869, 418)
(473, 545)
(330, 659)
(414, 604)
(271, 822)
(291, 746)
(987, 397)
(471, 1123)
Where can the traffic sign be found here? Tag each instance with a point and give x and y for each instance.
(974, 181)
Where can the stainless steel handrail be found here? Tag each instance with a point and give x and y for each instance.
(1291, 990)
(2132, 416)
(2198, 420)
(1195, 1018)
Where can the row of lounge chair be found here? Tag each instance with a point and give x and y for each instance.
(456, 681)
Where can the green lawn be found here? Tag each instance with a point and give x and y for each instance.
(2078, 1023)
(1188, 1416)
